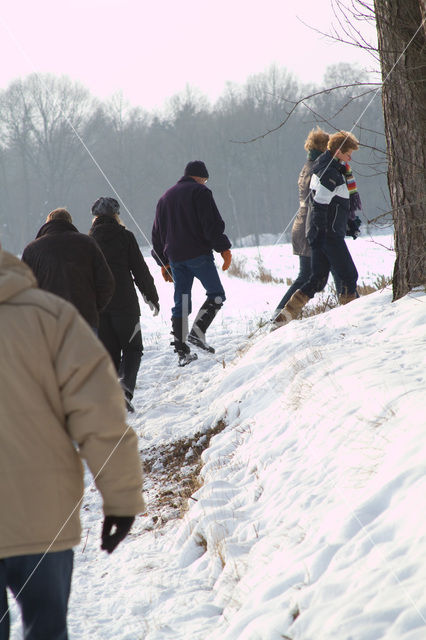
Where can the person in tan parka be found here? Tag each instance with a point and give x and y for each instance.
(60, 401)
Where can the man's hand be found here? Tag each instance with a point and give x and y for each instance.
(227, 257)
(122, 525)
(166, 273)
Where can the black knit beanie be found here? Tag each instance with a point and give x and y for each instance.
(105, 207)
(196, 168)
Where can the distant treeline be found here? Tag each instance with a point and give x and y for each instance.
(62, 147)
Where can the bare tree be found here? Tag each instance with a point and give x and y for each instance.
(401, 52)
(41, 118)
(402, 48)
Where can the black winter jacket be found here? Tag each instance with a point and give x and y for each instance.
(71, 265)
(187, 223)
(329, 199)
(127, 264)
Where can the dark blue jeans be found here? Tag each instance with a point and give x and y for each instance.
(331, 254)
(204, 269)
(302, 277)
(121, 336)
(42, 592)
(339, 284)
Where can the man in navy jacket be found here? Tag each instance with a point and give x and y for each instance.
(187, 229)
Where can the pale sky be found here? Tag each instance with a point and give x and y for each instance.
(150, 50)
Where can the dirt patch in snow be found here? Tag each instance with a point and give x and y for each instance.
(172, 475)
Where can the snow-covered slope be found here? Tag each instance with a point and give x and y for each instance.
(309, 522)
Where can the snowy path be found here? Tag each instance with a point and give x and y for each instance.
(173, 406)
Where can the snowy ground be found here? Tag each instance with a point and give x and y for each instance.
(308, 522)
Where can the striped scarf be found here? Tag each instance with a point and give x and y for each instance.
(354, 199)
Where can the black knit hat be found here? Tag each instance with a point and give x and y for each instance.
(196, 168)
(105, 207)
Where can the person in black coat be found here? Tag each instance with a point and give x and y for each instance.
(187, 229)
(119, 326)
(71, 265)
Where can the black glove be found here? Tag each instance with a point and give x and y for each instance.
(353, 228)
(122, 525)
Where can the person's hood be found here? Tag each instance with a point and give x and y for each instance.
(15, 276)
(55, 226)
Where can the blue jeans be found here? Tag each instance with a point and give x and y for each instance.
(204, 269)
(331, 254)
(43, 600)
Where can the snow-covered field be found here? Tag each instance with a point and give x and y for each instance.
(309, 522)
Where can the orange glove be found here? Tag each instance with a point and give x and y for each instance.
(166, 273)
(227, 257)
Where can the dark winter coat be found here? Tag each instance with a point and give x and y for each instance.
(329, 199)
(127, 264)
(71, 265)
(187, 224)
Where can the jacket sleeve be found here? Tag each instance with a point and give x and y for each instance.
(157, 239)
(303, 185)
(95, 414)
(316, 221)
(211, 221)
(104, 279)
(141, 274)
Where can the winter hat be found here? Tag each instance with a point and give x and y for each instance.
(105, 207)
(196, 168)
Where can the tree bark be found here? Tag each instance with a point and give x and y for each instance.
(402, 50)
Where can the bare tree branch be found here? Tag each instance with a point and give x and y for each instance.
(302, 101)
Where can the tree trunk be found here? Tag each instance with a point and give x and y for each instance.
(402, 50)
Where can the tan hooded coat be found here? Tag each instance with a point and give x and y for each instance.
(59, 402)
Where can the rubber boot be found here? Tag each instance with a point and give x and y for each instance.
(204, 318)
(181, 348)
(292, 309)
